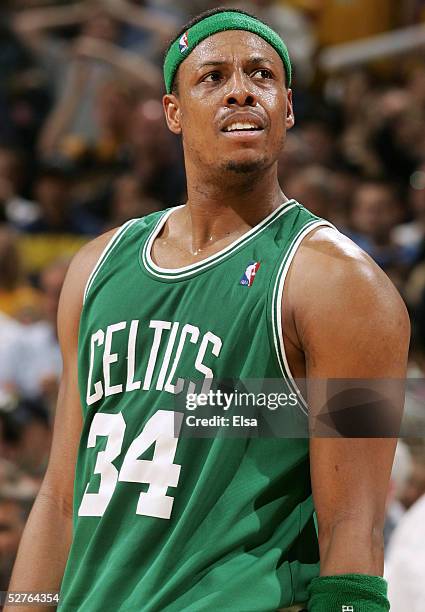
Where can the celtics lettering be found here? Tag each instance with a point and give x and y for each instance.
(160, 352)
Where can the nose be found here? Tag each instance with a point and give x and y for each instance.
(239, 91)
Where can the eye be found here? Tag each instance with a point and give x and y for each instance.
(212, 77)
(262, 73)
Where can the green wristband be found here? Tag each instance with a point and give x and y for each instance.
(348, 593)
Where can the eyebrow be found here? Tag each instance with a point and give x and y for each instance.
(260, 60)
(252, 60)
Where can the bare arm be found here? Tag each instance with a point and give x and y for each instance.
(351, 323)
(136, 68)
(131, 64)
(31, 25)
(60, 118)
(163, 25)
(44, 547)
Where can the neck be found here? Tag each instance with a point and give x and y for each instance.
(220, 205)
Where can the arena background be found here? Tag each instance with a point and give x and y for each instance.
(84, 147)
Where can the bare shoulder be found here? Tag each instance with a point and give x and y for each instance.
(326, 245)
(337, 299)
(71, 299)
(85, 260)
(330, 265)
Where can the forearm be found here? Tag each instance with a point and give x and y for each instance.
(142, 17)
(351, 546)
(59, 120)
(134, 66)
(43, 550)
(29, 21)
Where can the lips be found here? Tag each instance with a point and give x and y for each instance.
(239, 126)
(240, 123)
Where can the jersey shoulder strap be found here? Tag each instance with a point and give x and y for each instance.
(141, 225)
(304, 223)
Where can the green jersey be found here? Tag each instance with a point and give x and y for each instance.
(164, 522)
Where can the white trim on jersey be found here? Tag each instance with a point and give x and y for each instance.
(186, 271)
(277, 294)
(106, 252)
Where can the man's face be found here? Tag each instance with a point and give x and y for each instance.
(375, 211)
(231, 80)
(52, 192)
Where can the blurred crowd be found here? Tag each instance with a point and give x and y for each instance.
(84, 147)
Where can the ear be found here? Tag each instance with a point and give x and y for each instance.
(172, 113)
(290, 119)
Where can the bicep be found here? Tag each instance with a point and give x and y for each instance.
(354, 332)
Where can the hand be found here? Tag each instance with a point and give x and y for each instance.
(87, 47)
(116, 8)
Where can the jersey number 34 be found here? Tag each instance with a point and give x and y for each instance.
(160, 472)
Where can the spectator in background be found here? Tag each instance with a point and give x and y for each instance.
(58, 214)
(114, 104)
(414, 290)
(412, 234)
(400, 474)
(155, 153)
(30, 359)
(319, 138)
(129, 201)
(17, 298)
(28, 436)
(13, 515)
(12, 350)
(398, 132)
(17, 493)
(415, 485)
(294, 157)
(42, 364)
(313, 186)
(14, 208)
(77, 68)
(24, 99)
(405, 567)
(13, 481)
(375, 213)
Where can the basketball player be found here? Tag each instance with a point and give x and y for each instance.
(239, 282)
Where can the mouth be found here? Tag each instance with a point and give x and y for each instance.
(243, 127)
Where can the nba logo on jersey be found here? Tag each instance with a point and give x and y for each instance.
(183, 43)
(249, 274)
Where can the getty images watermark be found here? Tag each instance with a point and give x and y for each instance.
(234, 401)
(299, 408)
(241, 399)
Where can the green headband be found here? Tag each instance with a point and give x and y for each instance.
(220, 22)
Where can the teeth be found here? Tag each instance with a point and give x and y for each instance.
(246, 125)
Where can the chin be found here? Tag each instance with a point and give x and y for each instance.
(245, 166)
